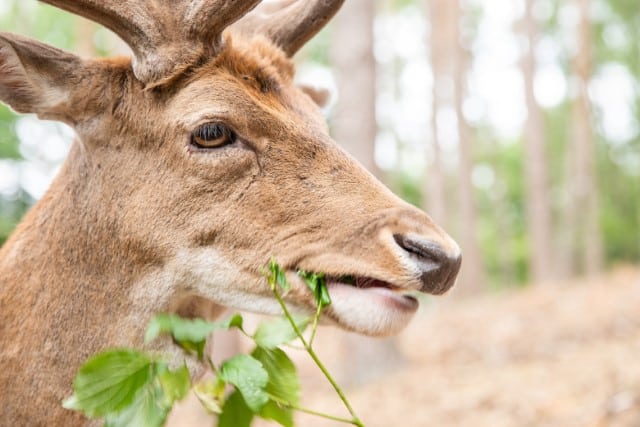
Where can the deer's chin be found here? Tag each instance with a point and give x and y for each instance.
(375, 311)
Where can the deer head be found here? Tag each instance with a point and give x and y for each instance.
(195, 163)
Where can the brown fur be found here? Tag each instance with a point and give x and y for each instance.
(136, 213)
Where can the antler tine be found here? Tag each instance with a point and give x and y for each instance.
(166, 36)
(290, 24)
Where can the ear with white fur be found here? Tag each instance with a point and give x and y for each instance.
(37, 78)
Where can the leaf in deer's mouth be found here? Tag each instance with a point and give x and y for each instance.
(317, 282)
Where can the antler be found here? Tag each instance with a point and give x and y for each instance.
(289, 23)
(166, 36)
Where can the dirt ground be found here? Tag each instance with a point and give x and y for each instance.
(561, 355)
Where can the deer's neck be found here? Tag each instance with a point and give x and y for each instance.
(65, 277)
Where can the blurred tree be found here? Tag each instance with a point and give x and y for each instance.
(616, 30)
(354, 121)
(441, 22)
(538, 197)
(449, 62)
(472, 276)
(355, 128)
(581, 225)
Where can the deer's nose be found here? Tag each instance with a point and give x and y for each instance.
(438, 267)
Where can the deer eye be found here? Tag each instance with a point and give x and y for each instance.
(212, 135)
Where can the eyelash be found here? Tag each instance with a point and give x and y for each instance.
(210, 136)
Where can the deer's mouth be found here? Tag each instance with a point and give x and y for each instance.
(376, 291)
(362, 304)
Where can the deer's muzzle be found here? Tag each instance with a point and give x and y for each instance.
(438, 266)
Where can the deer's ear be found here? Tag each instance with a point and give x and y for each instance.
(319, 95)
(37, 78)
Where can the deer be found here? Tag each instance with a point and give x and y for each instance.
(196, 160)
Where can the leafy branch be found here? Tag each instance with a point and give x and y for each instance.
(127, 387)
(317, 283)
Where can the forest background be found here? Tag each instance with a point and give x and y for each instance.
(515, 124)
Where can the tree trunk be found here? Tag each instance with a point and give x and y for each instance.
(435, 202)
(354, 124)
(538, 204)
(449, 64)
(355, 128)
(472, 274)
(583, 232)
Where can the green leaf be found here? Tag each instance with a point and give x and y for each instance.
(283, 384)
(249, 377)
(278, 413)
(281, 279)
(190, 334)
(277, 276)
(325, 298)
(175, 384)
(278, 331)
(283, 380)
(234, 321)
(147, 410)
(109, 381)
(181, 329)
(318, 285)
(209, 393)
(235, 412)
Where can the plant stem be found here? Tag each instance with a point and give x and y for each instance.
(310, 411)
(294, 347)
(212, 365)
(356, 421)
(314, 356)
(315, 324)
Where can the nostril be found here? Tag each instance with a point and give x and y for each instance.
(425, 249)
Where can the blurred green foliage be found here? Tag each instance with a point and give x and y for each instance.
(8, 137)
